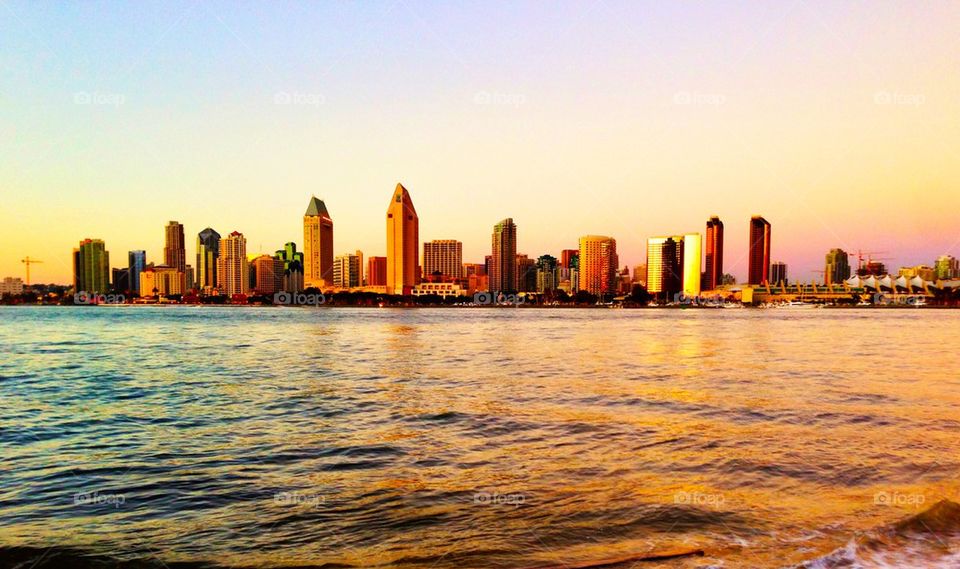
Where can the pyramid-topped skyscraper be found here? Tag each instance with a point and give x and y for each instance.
(403, 243)
(317, 245)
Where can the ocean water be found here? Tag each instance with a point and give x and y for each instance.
(462, 438)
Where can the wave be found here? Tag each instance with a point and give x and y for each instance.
(930, 539)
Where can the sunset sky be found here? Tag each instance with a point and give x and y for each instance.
(837, 121)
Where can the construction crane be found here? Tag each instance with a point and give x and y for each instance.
(28, 261)
(870, 257)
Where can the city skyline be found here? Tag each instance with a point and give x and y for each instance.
(115, 136)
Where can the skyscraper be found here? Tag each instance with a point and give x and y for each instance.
(346, 271)
(403, 243)
(837, 269)
(233, 272)
(714, 256)
(269, 271)
(692, 251)
(175, 250)
(208, 251)
(526, 273)
(443, 256)
(665, 266)
(317, 245)
(759, 271)
(947, 267)
(569, 258)
(136, 263)
(546, 273)
(91, 267)
(598, 264)
(292, 267)
(503, 260)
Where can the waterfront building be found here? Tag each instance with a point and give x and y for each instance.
(526, 273)
(837, 267)
(759, 251)
(346, 271)
(665, 266)
(292, 267)
(443, 257)
(208, 251)
(692, 252)
(11, 286)
(778, 273)
(233, 269)
(569, 258)
(947, 267)
(441, 289)
(546, 273)
(269, 271)
(713, 276)
(377, 271)
(598, 264)
(161, 280)
(91, 267)
(121, 280)
(136, 263)
(317, 245)
(403, 243)
(175, 247)
(640, 275)
(502, 270)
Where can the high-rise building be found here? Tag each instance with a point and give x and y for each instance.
(837, 269)
(175, 247)
(714, 256)
(598, 264)
(136, 263)
(403, 243)
(871, 267)
(526, 273)
(233, 272)
(269, 271)
(443, 257)
(665, 266)
(778, 273)
(546, 273)
(947, 267)
(692, 251)
(161, 281)
(317, 245)
(503, 258)
(640, 275)
(91, 267)
(569, 258)
(377, 271)
(759, 270)
(208, 251)
(292, 267)
(121, 280)
(346, 271)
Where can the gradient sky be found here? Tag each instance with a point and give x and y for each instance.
(837, 121)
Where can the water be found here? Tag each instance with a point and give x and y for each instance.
(442, 438)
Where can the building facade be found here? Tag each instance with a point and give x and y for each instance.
(346, 271)
(837, 267)
(269, 271)
(502, 271)
(317, 245)
(692, 252)
(377, 271)
(664, 266)
(208, 251)
(778, 273)
(947, 267)
(91, 267)
(444, 258)
(759, 252)
(403, 243)
(233, 273)
(598, 264)
(713, 275)
(175, 247)
(136, 263)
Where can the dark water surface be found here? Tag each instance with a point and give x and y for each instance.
(479, 437)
